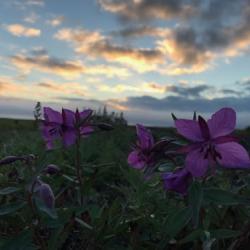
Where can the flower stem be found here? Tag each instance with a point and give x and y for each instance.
(78, 168)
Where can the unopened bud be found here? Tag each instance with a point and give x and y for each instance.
(105, 126)
(51, 169)
(10, 159)
(46, 195)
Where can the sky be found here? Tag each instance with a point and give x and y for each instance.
(141, 57)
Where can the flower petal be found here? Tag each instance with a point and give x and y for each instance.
(135, 160)
(85, 131)
(145, 137)
(233, 155)
(69, 137)
(51, 115)
(69, 119)
(177, 181)
(222, 122)
(190, 129)
(196, 164)
(85, 114)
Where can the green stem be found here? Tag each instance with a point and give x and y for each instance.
(78, 168)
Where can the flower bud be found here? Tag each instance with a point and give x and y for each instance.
(105, 126)
(46, 195)
(10, 159)
(51, 169)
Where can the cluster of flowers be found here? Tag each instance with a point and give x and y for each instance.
(211, 144)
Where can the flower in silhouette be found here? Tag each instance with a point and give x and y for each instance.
(212, 143)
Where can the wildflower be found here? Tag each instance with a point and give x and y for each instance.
(212, 142)
(67, 125)
(177, 181)
(146, 152)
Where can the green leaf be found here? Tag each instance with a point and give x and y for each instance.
(224, 233)
(42, 207)
(178, 220)
(195, 196)
(196, 234)
(22, 241)
(11, 208)
(83, 223)
(223, 197)
(8, 190)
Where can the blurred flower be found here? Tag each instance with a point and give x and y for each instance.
(212, 142)
(67, 125)
(177, 181)
(146, 152)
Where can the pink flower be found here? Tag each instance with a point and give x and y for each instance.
(212, 142)
(67, 125)
(146, 152)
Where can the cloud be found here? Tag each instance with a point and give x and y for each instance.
(95, 45)
(142, 30)
(35, 2)
(56, 21)
(20, 30)
(32, 18)
(44, 63)
(147, 9)
(204, 32)
(40, 60)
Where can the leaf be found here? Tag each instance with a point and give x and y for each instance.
(22, 241)
(223, 197)
(42, 207)
(195, 196)
(224, 233)
(178, 221)
(11, 208)
(83, 223)
(8, 190)
(196, 234)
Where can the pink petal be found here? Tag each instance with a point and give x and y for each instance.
(233, 155)
(135, 160)
(190, 129)
(86, 113)
(145, 137)
(196, 164)
(51, 115)
(69, 137)
(68, 117)
(85, 131)
(222, 122)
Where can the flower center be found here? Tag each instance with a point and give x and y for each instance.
(210, 152)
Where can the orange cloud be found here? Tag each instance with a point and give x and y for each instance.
(20, 30)
(65, 69)
(95, 45)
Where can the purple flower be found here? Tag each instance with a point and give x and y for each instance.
(212, 142)
(67, 125)
(177, 181)
(146, 153)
